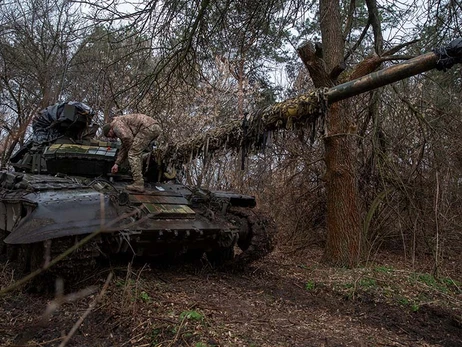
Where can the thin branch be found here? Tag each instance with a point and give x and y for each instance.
(87, 312)
(374, 20)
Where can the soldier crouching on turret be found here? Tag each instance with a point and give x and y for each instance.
(135, 131)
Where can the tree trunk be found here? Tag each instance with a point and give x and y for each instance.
(343, 247)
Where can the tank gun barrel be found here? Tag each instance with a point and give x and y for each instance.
(391, 74)
(306, 109)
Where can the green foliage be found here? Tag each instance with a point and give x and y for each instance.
(191, 315)
(413, 305)
(367, 282)
(145, 296)
(456, 286)
(155, 334)
(134, 290)
(162, 333)
(443, 285)
(310, 285)
(384, 269)
(427, 279)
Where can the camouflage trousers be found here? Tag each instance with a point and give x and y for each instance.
(139, 144)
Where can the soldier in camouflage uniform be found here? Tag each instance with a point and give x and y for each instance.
(135, 131)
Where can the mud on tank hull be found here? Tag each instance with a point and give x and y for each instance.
(42, 216)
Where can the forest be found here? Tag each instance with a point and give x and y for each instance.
(366, 195)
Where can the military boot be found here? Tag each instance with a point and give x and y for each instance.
(136, 187)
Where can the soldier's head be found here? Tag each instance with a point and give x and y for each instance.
(107, 130)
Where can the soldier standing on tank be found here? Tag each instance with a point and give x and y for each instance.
(135, 131)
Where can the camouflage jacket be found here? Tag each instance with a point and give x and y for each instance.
(127, 127)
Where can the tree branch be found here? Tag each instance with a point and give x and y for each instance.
(311, 56)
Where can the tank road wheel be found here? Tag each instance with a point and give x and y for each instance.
(257, 236)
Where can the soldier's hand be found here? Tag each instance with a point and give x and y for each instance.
(115, 168)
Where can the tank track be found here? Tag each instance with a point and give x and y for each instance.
(256, 239)
(260, 236)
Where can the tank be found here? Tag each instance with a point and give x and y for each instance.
(58, 194)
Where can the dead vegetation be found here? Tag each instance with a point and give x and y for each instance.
(278, 301)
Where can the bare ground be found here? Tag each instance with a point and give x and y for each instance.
(276, 302)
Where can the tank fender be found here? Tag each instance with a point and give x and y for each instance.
(63, 213)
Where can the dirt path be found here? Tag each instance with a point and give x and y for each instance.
(276, 302)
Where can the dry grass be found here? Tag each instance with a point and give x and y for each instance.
(279, 301)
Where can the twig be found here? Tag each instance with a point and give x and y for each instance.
(60, 299)
(178, 332)
(136, 287)
(127, 282)
(87, 312)
(47, 343)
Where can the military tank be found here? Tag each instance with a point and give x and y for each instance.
(59, 190)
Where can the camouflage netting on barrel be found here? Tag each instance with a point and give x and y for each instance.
(251, 134)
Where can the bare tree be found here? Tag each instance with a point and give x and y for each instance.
(36, 48)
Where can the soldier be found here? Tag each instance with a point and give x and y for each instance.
(135, 131)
